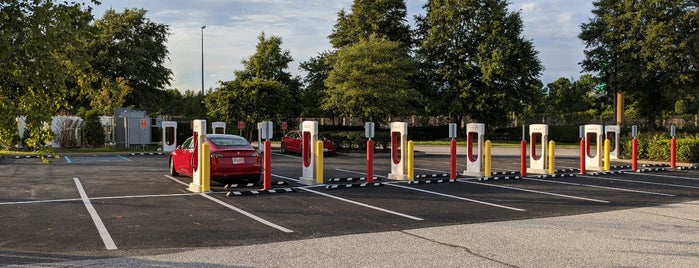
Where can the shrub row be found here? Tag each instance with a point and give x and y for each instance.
(657, 147)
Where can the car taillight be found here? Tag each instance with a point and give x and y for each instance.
(258, 158)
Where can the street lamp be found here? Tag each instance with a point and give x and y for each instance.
(202, 59)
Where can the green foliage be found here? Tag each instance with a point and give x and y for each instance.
(317, 70)
(370, 80)
(656, 147)
(130, 46)
(646, 49)
(93, 133)
(478, 61)
(385, 19)
(43, 62)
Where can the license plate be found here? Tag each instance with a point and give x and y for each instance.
(238, 160)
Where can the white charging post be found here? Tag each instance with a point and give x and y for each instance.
(475, 133)
(594, 137)
(200, 179)
(399, 140)
(218, 127)
(538, 133)
(169, 136)
(309, 136)
(613, 133)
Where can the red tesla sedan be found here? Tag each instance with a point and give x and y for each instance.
(291, 142)
(232, 156)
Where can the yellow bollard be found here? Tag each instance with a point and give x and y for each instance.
(411, 160)
(552, 157)
(486, 160)
(606, 154)
(205, 168)
(319, 162)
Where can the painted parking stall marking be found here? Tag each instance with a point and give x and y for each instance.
(106, 238)
(363, 205)
(535, 191)
(600, 187)
(455, 197)
(645, 182)
(670, 176)
(236, 209)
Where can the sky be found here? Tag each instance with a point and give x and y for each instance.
(232, 28)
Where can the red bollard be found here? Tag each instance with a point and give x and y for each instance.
(452, 159)
(370, 161)
(582, 156)
(634, 154)
(523, 159)
(673, 152)
(267, 174)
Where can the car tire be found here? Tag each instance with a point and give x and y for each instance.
(172, 168)
(283, 149)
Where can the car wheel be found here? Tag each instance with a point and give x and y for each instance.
(172, 168)
(283, 150)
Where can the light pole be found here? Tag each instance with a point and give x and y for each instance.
(202, 59)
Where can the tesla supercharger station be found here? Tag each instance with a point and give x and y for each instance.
(309, 136)
(538, 134)
(594, 138)
(169, 136)
(218, 127)
(200, 180)
(475, 133)
(613, 132)
(399, 142)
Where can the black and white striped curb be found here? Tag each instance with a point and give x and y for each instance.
(259, 192)
(598, 173)
(438, 175)
(247, 185)
(620, 167)
(353, 185)
(688, 168)
(551, 176)
(505, 173)
(654, 165)
(29, 156)
(566, 170)
(144, 154)
(495, 178)
(350, 179)
(431, 181)
(642, 170)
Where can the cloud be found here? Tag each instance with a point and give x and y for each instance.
(233, 27)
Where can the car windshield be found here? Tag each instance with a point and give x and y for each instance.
(228, 141)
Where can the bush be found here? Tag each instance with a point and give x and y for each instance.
(656, 146)
(93, 133)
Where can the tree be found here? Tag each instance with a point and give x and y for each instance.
(317, 70)
(370, 80)
(384, 18)
(132, 47)
(480, 64)
(43, 62)
(645, 49)
(571, 102)
(263, 90)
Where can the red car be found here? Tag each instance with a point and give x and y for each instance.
(232, 156)
(291, 142)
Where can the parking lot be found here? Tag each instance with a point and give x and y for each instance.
(110, 205)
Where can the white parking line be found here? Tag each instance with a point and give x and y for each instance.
(535, 191)
(106, 238)
(645, 182)
(668, 176)
(248, 214)
(601, 187)
(123, 158)
(286, 178)
(363, 205)
(456, 197)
